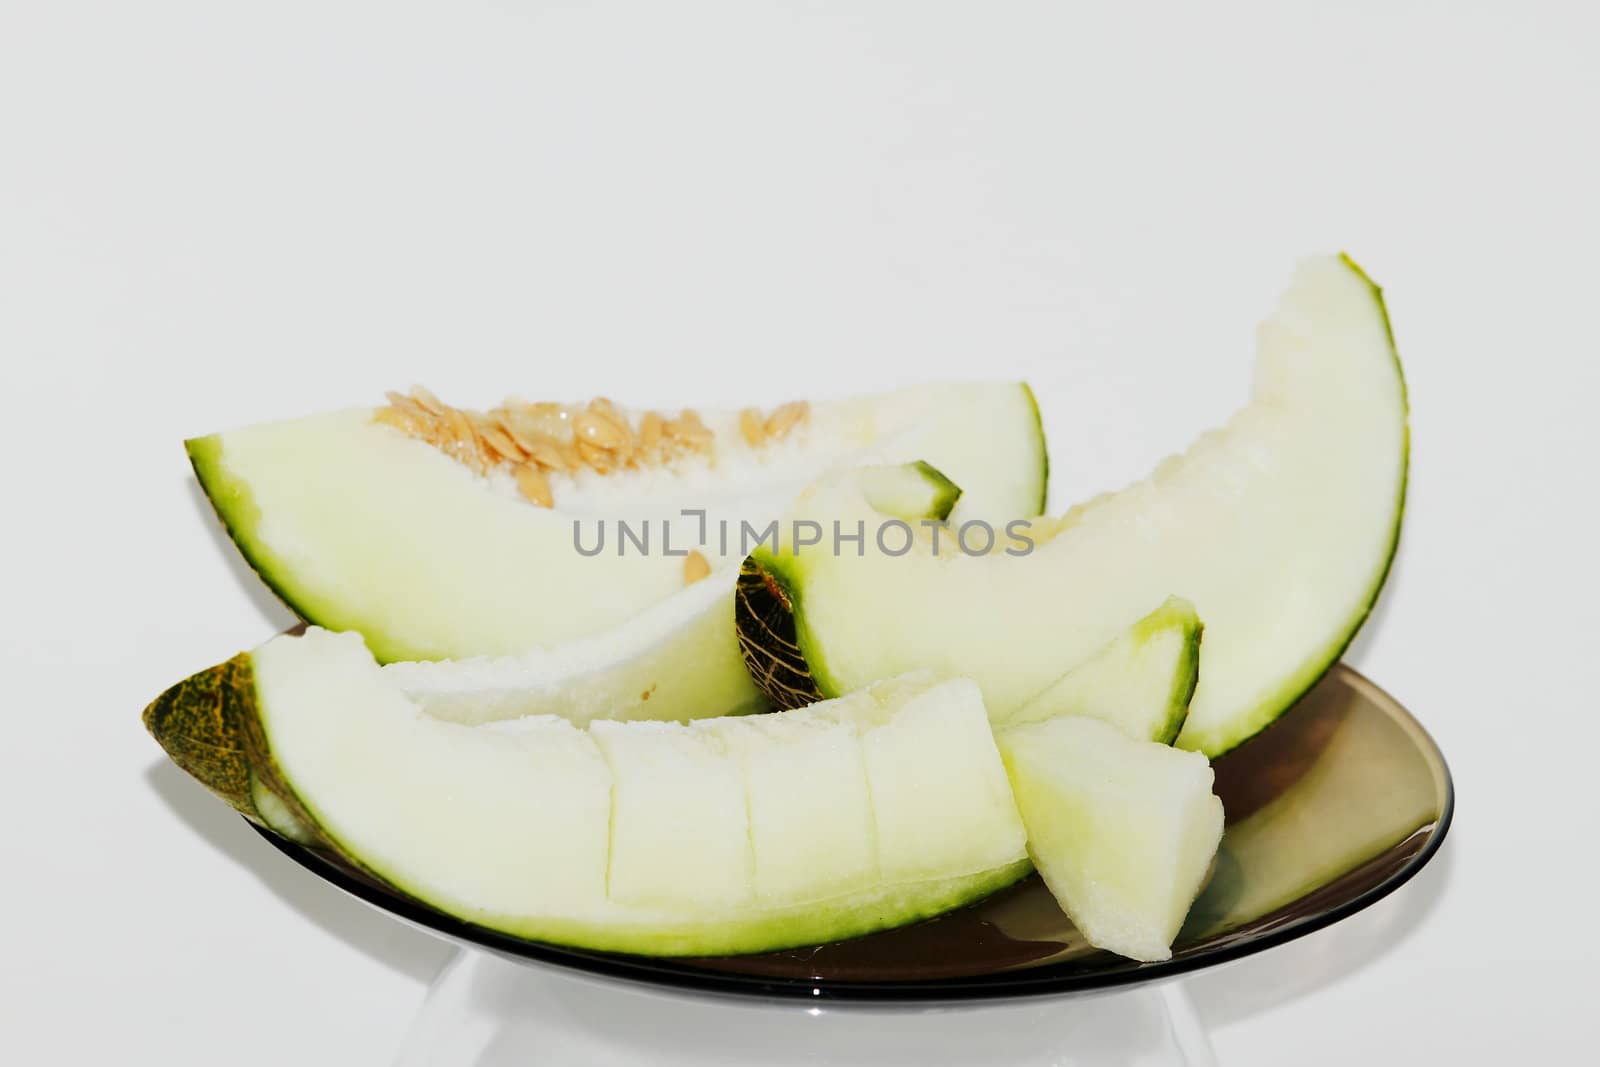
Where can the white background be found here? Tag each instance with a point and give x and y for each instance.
(212, 214)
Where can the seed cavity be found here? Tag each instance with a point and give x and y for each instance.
(532, 440)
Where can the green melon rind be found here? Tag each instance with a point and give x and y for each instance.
(1181, 614)
(1174, 616)
(945, 492)
(211, 726)
(208, 726)
(1243, 727)
(236, 509)
(812, 923)
(765, 611)
(784, 667)
(787, 573)
(1044, 452)
(782, 576)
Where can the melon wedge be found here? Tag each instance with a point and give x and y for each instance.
(1279, 528)
(679, 659)
(1122, 831)
(646, 837)
(1141, 682)
(431, 553)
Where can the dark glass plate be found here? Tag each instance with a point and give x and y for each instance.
(1335, 806)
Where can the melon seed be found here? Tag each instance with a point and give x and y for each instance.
(695, 568)
(595, 429)
(534, 486)
(786, 417)
(751, 427)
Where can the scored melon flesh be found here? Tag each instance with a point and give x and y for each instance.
(636, 836)
(358, 526)
(680, 832)
(937, 790)
(1122, 831)
(801, 771)
(1141, 682)
(1279, 528)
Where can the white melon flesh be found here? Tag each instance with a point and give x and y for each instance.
(1122, 831)
(680, 832)
(803, 770)
(677, 660)
(939, 794)
(361, 527)
(1279, 528)
(502, 811)
(735, 835)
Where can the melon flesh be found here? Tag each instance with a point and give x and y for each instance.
(661, 838)
(720, 835)
(1141, 682)
(679, 659)
(1122, 831)
(358, 526)
(801, 772)
(1279, 528)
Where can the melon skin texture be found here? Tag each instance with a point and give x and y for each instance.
(357, 526)
(1122, 831)
(1279, 528)
(643, 837)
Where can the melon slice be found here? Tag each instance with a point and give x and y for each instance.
(679, 659)
(1122, 831)
(647, 837)
(1279, 528)
(440, 533)
(1141, 682)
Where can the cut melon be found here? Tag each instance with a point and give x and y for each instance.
(1141, 683)
(679, 659)
(1279, 528)
(910, 491)
(420, 526)
(1122, 831)
(725, 836)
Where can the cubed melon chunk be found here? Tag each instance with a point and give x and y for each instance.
(939, 791)
(1122, 831)
(679, 833)
(802, 773)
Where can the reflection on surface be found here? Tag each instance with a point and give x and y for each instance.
(493, 1013)
(1320, 811)
(1240, 990)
